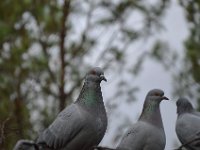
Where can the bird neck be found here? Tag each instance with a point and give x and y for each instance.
(91, 94)
(185, 109)
(151, 113)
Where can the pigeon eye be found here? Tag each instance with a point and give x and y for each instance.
(93, 72)
(157, 94)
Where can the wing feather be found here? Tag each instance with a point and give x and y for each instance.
(187, 128)
(67, 125)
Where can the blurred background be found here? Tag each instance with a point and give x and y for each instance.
(47, 46)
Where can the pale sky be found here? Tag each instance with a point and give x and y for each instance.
(155, 76)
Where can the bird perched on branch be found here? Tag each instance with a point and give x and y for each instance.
(148, 133)
(188, 124)
(81, 125)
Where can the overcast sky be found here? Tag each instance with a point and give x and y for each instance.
(155, 76)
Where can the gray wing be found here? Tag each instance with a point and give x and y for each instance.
(143, 136)
(64, 128)
(188, 129)
(133, 138)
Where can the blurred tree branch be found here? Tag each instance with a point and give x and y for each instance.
(2, 130)
(63, 34)
(47, 47)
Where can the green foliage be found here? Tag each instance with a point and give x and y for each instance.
(163, 54)
(44, 48)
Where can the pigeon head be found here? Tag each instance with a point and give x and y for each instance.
(96, 75)
(157, 95)
(183, 106)
(151, 109)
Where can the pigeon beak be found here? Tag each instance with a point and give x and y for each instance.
(103, 77)
(165, 98)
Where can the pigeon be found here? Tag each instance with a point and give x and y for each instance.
(188, 124)
(148, 133)
(25, 145)
(81, 125)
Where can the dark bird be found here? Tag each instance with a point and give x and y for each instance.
(81, 125)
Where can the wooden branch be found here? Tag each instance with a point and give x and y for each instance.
(107, 48)
(44, 49)
(18, 116)
(2, 130)
(83, 39)
(62, 95)
(18, 106)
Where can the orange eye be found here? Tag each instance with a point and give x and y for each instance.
(157, 94)
(93, 72)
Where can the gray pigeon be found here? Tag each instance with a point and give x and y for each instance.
(25, 145)
(188, 124)
(81, 125)
(148, 133)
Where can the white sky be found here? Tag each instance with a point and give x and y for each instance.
(155, 76)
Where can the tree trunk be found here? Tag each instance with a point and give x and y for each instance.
(62, 94)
